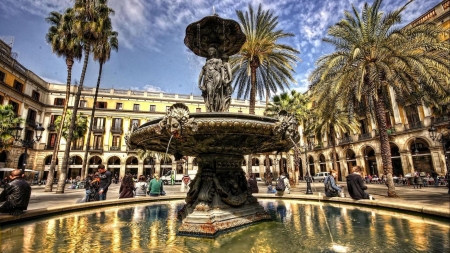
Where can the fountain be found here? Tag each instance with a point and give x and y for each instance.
(218, 199)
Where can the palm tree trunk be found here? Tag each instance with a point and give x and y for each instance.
(267, 177)
(253, 88)
(63, 174)
(290, 169)
(88, 141)
(384, 143)
(333, 143)
(51, 172)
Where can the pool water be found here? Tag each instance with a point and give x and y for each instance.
(297, 226)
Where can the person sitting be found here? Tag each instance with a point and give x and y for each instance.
(155, 186)
(331, 188)
(141, 186)
(127, 188)
(356, 186)
(16, 194)
(270, 189)
(253, 184)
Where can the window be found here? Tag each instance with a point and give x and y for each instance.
(18, 86)
(167, 108)
(388, 120)
(101, 105)
(59, 101)
(35, 95)
(29, 135)
(116, 141)
(135, 122)
(198, 110)
(31, 117)
(53, 118)
(99, 122)
(98, 142)
(153, 108)
(119, 106)
(83, 104)
(363, 126)
(136, 107)
(1, 99)
(2, 76)
(51, 141)
(117, 123)
(15, 106)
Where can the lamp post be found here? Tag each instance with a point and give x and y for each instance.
(308, 178)
(28, 143)
(443, 138)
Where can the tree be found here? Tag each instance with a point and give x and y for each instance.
(295, 104)
(8, 120)
(89, 17)
(262, 65)
(372, 54)
(65, 43)
(102, 52)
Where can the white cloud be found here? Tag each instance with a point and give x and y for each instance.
(50, 80)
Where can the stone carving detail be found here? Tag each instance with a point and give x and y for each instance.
(177, 120)
(286, 127)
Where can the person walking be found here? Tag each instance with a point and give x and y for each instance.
(282, 185)
(356, 186)
(141, 186)
(105, 181)
(156, 186)
(127, 188)
(16, 194)
(331, 188)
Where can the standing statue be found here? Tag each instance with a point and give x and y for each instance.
(215, 82)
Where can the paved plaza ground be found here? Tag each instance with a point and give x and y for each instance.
(430, 200)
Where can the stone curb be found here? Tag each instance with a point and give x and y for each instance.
(37, 213)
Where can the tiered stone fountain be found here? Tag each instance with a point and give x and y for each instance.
(218, 199)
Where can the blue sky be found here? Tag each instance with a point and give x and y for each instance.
(152, 55)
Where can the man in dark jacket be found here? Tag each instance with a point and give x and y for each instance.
(253, 184)
(105, 181)
(16, 194)
(356, 185)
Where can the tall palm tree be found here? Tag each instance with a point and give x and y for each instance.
(294, 103)
(262, 65)
(89, 15)
(8, 120)
(65, 43)
(372, 54)
(102, 52)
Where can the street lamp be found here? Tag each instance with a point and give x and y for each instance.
(308, 178)
(442, 137)
(29, 142)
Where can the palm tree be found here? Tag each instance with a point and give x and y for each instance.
(79, 130)
(8, 120)
(333, 120)
(262, 65)
(102, 53)
(89, 17)
(295, 104)
(372, 54)
(65, 43)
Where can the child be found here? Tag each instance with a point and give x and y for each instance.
(270, 189)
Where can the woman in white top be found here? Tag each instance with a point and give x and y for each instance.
(141, 187)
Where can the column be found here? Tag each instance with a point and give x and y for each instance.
(398, 122)
(438, 160)
(107, 133)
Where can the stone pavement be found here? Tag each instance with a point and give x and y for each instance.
(429, 200)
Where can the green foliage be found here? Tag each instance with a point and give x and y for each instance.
(8, 120)
(80, 125)
(294, 103)
(271, 62)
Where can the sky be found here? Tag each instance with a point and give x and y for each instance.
(152, 55)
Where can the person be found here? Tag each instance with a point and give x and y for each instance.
(172, 177)
(185, 180)
(282, 180)
(116, 178)
(127, 188)
(356, 186)
(87, 186)
(94, 186)
(253, 184)
(270, 189)
(105, 181)
(16, 194)
(156, 186)
(331, 188)
(417, 180)
(141, 186)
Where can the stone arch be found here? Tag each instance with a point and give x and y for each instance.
(421, 155)
(132, 160)
(94, 160)
(75, 160)
(311, 169)
(48, 160)
(370, 161)
(255, 161)
(4, 157)
(397, 168)
(195, 162)
(114, 160)
(322, 162)
(407, 144)
(350, 156)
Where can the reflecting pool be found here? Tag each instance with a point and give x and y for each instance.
(297, 226)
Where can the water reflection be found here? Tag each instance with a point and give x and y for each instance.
(297, 226)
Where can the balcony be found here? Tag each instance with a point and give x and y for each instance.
(116, 130)
(49, 147)
(98, 129)
(114, 148)
(76, 148)
(365, 136)
(414, 125)
(96, 149)
(51, 127)
(346, 139)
